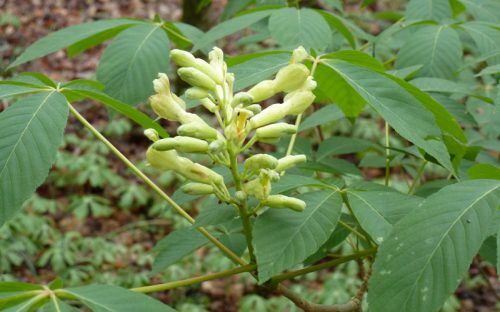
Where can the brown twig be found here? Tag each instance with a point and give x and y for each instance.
(352, 305)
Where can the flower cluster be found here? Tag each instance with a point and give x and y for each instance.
(242, 123)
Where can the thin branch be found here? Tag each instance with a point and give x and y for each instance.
(194, 280)
(228, 252)
(352, 305)
(321, 266)
(420, 171)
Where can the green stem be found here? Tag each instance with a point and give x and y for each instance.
(387, 155)
(153, 186)
(194, 280)
(289, 275)
(420, 171)
(352, 230)
(245, 217)
(348, 205)
(294, 136)
(289, 150)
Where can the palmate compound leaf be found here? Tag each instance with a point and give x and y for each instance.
(132, 61)
(284, 238)
(428, 251)
(108, 298)
(32, 130)
(403, 110)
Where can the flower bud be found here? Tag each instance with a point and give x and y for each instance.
(179, 101)
(161, 159)
(274, 131)
(241, 118)
(258, 188)
(199, 173)
(182, 58)
(182, 144)
(282, 201)
(260, 161)
(209, 105)
(194, 188)
(198, 130)
(262, 91)
(196, 78)
(241, 196)
(269, 115)
(152, 134)
(208, 70)
(254, 108)
(216, 58)
(166, 107)
(217, 146)
(299, 102)
(162, 84)
(289, 161)
(242, 98)
(196, 93)
(291, 77)
(299, 55)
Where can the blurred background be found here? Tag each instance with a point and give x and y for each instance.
(93, 221)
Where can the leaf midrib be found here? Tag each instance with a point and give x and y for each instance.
(132, 61)
(23, 132)
(305, 221)
(445, 234)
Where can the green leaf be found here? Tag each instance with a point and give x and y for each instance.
(430, 249)
(132, 61)
(258, 69)
(487, 39)
(483, 10)
(338, 236)
(234, 6)
(378, 211)
(33, 130)
(490, 70)
(398, 107)
(337, 145)
(116, 299)
(87, 43)
(444, 119)
(175, 34)
(56, 305)
(214, 213)
(324, 115)
(436, 10)
(18, 286)
(229, 27)
(484, 171)
(498, 251)
(175, 246)
(335, 88)
(7, 89)
(488, 250)
(296, 235)
(66, 37)
(290, 182)
(292, 27)
(436, 47)
(355, 57)
(127, 110)
(336, 23)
